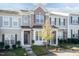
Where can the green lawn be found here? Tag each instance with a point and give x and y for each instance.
(69, 46)
(19, 51)
(16, 52)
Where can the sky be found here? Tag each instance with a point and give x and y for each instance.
(49, 6)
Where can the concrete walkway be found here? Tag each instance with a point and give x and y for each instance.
(30, 52)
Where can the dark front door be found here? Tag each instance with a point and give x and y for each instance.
(53, 40)
(26, 37)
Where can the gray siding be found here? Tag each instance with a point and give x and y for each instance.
(1, 21)
(10, 31)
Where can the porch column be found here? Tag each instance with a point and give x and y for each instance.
(22, 38)
(56, 37)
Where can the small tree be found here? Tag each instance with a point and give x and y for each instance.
(46, 32)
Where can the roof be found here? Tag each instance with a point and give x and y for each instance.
(60, 13)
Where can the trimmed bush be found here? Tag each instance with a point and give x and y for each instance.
(18, 43)
(33, 42)
(7, 47)
(1, 45)
(39, 50)
(69, 41)
(14, 46)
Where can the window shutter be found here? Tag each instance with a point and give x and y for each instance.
(55, 21)
(34, 18)
(78, 20)
(71, 33)
(71, 20)
(15, 38)
(3, 37)
(64, 21)
(59, 22)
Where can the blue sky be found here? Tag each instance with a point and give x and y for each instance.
(50, 6)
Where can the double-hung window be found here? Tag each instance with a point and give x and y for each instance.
(38, 38)
(6, 21)
(74, 20)
(9, 39)
(39, 19)
(53, 21)
(14, 21)
(25, 20)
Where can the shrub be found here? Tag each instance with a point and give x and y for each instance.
(69, 41)
(14, 46)
(1, 45)
(32, 41)
(39, 50)
(18, 43)
(7, 47)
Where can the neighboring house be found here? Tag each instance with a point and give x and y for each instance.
(24, 25)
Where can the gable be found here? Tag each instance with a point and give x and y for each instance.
(40, 9)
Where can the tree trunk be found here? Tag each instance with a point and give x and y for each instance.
(47, 46)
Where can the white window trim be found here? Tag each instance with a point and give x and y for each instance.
(39, 20)
(38, 36)
(9, 36)
(27, 19)
(15, 20)
(4, 20)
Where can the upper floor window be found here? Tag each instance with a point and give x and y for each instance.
(74, 20)
(62, 22)
(14, 21)
(39, 19)
(53, 21)
(74, 33)
(6, 21)
(24, 20)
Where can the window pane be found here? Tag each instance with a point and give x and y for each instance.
(39, 18)
(6, 21)
(15, 23)
(25, 20)
(12, 39)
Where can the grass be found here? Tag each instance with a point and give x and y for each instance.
(16, 52)
(19, 51)
(69, 46)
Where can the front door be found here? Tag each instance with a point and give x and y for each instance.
(26, 37)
